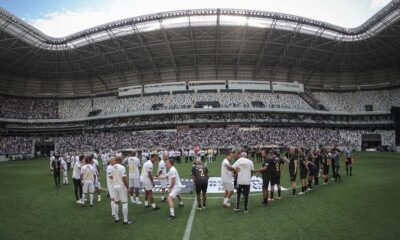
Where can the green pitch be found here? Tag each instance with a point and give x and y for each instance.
(364, 206)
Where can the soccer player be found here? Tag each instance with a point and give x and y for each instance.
(162, 172)
(226, 178)
(200, 179)
(57, 168)
(336, 164)
(276, 167)
(88, 177)
(348, 154)
(316, 158)
(325, 165)
(64, 171)
(134, 177)
(313, 171)
(52, 158)
(175, 187)
(266, 172)
(245, 169)
(110, 184)
(147, 182)
(292, 157)
(95, 165)
(303, 170)
(120, 190)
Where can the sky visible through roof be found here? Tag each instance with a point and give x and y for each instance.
(61, 18)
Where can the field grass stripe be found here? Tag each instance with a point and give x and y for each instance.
(189, 224)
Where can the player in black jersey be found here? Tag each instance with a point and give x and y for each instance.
(312, 172)
(277, 163)
(57, 167)
(200, 179)
(326, 162)
(292, 158)
(266, 173)
(303, 170)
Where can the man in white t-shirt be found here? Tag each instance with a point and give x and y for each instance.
(146, 179)
(109, 170)
(134, 177)
(162, 172)
(76, 178)
(120, 190)
(245, 169)
(191, 155)
(227, 178)
(175, 187)
(88, 177)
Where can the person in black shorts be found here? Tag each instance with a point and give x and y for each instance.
(266, 173)
(312, 172)
(277, 163)
(292, 158)
(236, 156)
(325, 165)
(57, 167)
(200, 179)
(303, 170)
(317, 160)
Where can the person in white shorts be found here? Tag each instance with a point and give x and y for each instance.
(52, 158)
(162, 172)
(95, 164)
(65, 171)
(227, 179)
(120, 190)
(175, 187)
(134, 177)
(146, 179)
(88, 177)
(110, 184)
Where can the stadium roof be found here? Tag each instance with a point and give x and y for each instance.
(203, 44)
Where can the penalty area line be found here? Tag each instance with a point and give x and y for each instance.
(189, 224)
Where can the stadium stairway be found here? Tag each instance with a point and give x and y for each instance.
(312, 100)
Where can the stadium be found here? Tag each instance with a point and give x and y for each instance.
(219, 79)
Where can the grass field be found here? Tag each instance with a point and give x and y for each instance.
(364, 206)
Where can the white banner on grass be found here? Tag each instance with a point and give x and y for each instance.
(215, 185)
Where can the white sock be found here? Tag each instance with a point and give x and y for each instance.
(112, 208)
(125, 211)
(225, 201)
(172, 211)
(181, 202)
(91, 199)
(146, 203)
(83, 198)
(132, 200)
(153, 205)
(137, 199)
(162, 197)
(116, 209)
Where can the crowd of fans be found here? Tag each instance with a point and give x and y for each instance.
(11, 107)
(187, 138)
(26, 108)
(381, 100)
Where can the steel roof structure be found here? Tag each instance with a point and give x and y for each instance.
(204, 44)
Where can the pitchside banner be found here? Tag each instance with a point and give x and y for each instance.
(214, 185)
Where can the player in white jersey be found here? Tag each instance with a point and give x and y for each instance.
(52, 158)
(175, 187)
(162, 172)
(146, 179)
(120, 190)
(227, 178)
(88, 177)
(134, 177)
(64, 171)
(110, 184)
(95, 164)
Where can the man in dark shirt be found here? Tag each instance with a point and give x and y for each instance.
(277, 163)
(292, 158)
(266, 172)
(325, 165)
(57, 167)
(200, 179)
(336, 164)
(303, 170)
(312, 172)
(317, 160)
